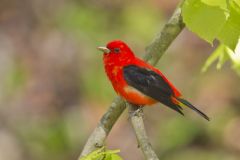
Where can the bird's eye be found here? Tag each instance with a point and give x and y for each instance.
(116, 50)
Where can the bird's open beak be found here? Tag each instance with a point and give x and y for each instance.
(104, 49)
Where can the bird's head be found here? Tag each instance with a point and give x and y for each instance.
(117, 50)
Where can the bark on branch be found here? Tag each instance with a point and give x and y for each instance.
(98, 136)
(136, 117)
(153, 53)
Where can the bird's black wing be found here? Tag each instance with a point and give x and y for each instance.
(151, 84)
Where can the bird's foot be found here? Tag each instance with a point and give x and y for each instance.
(137, 112)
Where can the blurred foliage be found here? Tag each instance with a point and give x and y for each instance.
(46, 139)
(15, 78)
(53, 89)
(197, 154)
(183, 135)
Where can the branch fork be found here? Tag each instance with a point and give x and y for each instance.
(153, 53)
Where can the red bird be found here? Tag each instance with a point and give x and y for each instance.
(138, 82)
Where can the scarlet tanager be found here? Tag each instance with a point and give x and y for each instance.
(138, 82)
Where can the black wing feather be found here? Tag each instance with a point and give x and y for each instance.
(151, 84)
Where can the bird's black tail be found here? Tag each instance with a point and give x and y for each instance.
(184, 102)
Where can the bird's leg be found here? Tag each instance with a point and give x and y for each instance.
(136, 111)
(139, 111)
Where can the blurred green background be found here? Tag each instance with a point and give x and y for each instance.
(53, 89)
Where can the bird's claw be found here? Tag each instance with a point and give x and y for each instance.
(137, 112)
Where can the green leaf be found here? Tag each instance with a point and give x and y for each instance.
(102, 154)
(235, 58)
(230, 32)
(222, 59)
(112, 157)
(203, 19)
(213, 57)
(219, 3)
(116, 157)
(222, 54)
(214, 19)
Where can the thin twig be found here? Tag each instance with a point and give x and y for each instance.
(154, 52)
(136, 117)
(168, 34)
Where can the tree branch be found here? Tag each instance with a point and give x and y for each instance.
(98, 136)
(162, 41)
(154, 52)
(136, 117)
(160, 44)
